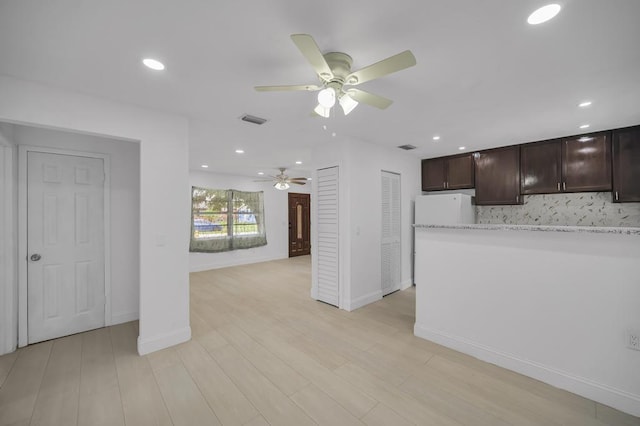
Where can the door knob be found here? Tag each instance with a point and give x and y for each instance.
(35, 257)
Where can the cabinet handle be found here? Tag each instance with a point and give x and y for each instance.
(617, 196)
(444, 185)
(564, 186)
(558, 186)
(517, 199)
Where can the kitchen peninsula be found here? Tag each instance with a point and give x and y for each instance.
(556, 303)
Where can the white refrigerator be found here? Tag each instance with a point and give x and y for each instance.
(444, 209)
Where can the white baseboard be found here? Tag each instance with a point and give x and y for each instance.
(148, 345)
(122, 317)
(234, 262)
(363, 300)
(616, 398)
(406, 284)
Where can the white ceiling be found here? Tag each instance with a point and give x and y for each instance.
(484, 77)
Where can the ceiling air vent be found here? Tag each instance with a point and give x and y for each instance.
(253, 119)
(407, 147)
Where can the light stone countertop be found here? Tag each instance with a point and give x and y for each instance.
(584, 229)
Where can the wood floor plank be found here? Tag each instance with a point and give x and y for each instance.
(228, 403)
(549, 412)
(274, 405)
(349, 396)
(99, 402)
(59, 395)
(186, 404)
(257, 421)
(142, 401)
(612, 416)
(322, 409)
(279, 373)
(20, 390)
(381, 415)
(405, 404)
(6, 362)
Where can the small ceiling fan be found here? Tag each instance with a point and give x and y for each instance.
(334, 71)
(282, 181)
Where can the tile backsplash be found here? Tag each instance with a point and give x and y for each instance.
(578, 209)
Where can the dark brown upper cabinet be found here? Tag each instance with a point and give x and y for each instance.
(626, 165)
(577, 164)
(541, 167)
(586, 163)
(454, 172)
(498, 176)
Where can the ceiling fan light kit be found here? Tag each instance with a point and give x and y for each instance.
(333, 69)
(327, 97)
(282, 181)
(281, 186)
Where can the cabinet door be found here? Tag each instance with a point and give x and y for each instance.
(460, 172)
(540, 167)
(498, 176)
(433, 178)
(586, 163)
(626, 165)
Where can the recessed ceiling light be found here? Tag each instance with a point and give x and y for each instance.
(436, 138)
(298, 162)
(239, 151)
(462, 148)
(261, 173)
(333, 134)
(584, 104)
(584, 126)
(153, 64)
(204, 166)
(308, 178)
(543, 14)
(324, 127)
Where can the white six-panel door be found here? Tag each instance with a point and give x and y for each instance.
(65, 245)
(390, 255)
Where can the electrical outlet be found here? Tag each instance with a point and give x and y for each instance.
(633, 340)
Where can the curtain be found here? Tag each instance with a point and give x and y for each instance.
(224, 220)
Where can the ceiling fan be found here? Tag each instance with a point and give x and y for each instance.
(282, 181)
(334, 71)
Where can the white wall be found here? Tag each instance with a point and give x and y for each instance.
(360, 213)
(8, 239)
(276, 221)
(125, 204)
(164, 202)
(555, 306)
(366, 164)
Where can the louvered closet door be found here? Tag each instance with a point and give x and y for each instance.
(328, 276)
(390, 255)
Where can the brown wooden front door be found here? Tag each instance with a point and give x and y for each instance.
(299, 224)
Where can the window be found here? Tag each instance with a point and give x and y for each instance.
(224, 220)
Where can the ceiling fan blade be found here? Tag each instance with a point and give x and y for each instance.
(298, 178)
(299, 183)
(263, 180)
(386, 66)
(308, 87)
(369, 98)
(307, 45)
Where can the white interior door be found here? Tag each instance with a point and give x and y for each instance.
(390, 256)
(65, 245)
(328, 271)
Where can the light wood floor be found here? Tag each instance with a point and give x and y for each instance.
(264, 353)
